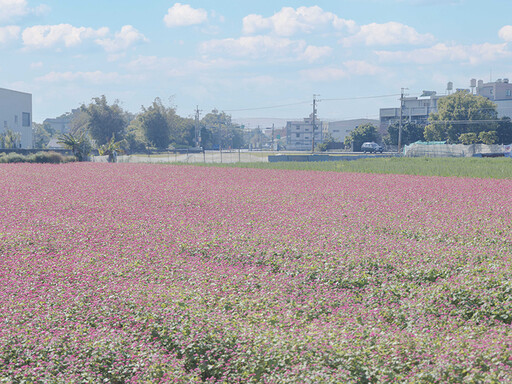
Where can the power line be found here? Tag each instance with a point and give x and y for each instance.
(307, 102)
(362, 97)
(269, 107)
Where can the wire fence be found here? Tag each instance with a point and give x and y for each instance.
(233, 156)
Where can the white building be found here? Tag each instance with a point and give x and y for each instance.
(16, 115)
(415, 110)
(500, 92)
(299, 134)
(338, 130)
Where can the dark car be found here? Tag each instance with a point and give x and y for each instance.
(371, 147)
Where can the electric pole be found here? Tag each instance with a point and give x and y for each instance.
(314, 123)
(197, 131)
(401, 116)
(272, 136)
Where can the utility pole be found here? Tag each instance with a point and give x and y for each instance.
(197, 131)
(314, 124)
(401, 116)
(272, 137)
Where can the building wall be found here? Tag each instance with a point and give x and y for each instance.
(340, 129)
(16, 114)
(500, 92)
(415, 110)
(299, 135)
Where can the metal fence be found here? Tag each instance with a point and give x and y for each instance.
(233, 156)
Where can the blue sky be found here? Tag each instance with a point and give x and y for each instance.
(250, 59)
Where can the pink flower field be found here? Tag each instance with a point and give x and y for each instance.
(126, 273)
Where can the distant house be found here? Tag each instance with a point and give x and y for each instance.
(61, 124)
(299, 134)
(415, 110)
(499, 92)
(54, 144)
(338, 130)
(16, 115)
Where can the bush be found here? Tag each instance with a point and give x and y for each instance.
(39, 157)
(13, 157)
(48, 157)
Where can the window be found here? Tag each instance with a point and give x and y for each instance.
(25, 117)
(509, 92)
(297, 134)
(15, 119)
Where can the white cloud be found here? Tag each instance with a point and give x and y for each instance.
(289, 21)
(37, 64)
(347, 69)
(48, 36)
(96, 77)
(391, 33)
(11, 32)
(505, 33)
(362, 68)
(181, 15)
(13, 9)
(324, 74)
(122, 40)
(266, 47)
(470, 54)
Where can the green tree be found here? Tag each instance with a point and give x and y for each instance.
(223, 133)
(111, 149)
(135, 140)
(79, 145)
(504, 131)
(460, 113)
(361, 134)
(103, 120)
(411, 132)
(329, 143)
(490, 137)
(468, 138)
(40, 135)
(156, 125)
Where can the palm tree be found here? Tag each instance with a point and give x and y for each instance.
(78, 144)
(111, 149)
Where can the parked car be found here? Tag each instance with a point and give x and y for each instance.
(371, 147)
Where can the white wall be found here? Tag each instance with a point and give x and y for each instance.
(14, 107)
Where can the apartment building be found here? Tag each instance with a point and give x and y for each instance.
(16, 115)
(338, 130)
(415, 110)
(299, 134)
(499, 91)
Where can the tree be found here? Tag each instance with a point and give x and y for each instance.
(362, 133)
(79, 145)
(411, 132)
(468, 138)
(504, 131)
(156, 125)
(490, 137)
(103, 120)
(41, 135)
(222, 132)
(111, 149)
(329, 143)
(10, 139)
(460, 113)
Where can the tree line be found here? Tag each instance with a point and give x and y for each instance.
(104, 126)
(461, 118)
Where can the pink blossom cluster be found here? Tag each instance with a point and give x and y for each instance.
(129, 273)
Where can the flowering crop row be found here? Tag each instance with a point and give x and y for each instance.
(128, 273)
